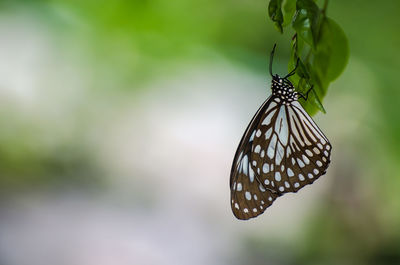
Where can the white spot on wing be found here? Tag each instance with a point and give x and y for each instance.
(252, 136)
(272, 105)
(279, 154)
(309, 153)
(268, 133)
(277, 176)
(271, 147)
(300, 162)
(306, 160)
(316, 150)
(251, 174)
(265, 168)
(328, 147)
(245, 162)
(267, 119)
(281, 126)
(287, 185)
(288, 151)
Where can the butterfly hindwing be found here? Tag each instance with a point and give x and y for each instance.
(291, 151)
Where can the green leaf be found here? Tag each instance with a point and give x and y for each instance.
(302, 70)
(327, 63)
(313, 97)
(289, 8)
(304, 78)
(332, 51)
(306, 21)
(275, 13)
(318, 103)
(319, 45)
(313, 104)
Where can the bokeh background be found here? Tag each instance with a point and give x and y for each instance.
(119, 121)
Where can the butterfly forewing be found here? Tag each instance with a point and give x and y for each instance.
(249, 196)
(281, 151)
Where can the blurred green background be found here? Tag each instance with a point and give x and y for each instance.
(119, 121)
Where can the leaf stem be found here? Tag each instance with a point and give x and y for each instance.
(325, 7)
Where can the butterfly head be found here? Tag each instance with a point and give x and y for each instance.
(283, 89)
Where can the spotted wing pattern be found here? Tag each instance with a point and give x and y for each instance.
(249, 195)
(281, 151)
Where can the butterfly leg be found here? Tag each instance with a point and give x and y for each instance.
(306, 96)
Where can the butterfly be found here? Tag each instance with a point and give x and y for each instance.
(281, 151)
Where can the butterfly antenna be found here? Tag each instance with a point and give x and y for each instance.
(271, 59)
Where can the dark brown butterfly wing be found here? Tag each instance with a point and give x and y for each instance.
(281, 151)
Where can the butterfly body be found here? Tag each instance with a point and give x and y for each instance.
(281, 151)
(283, 89)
